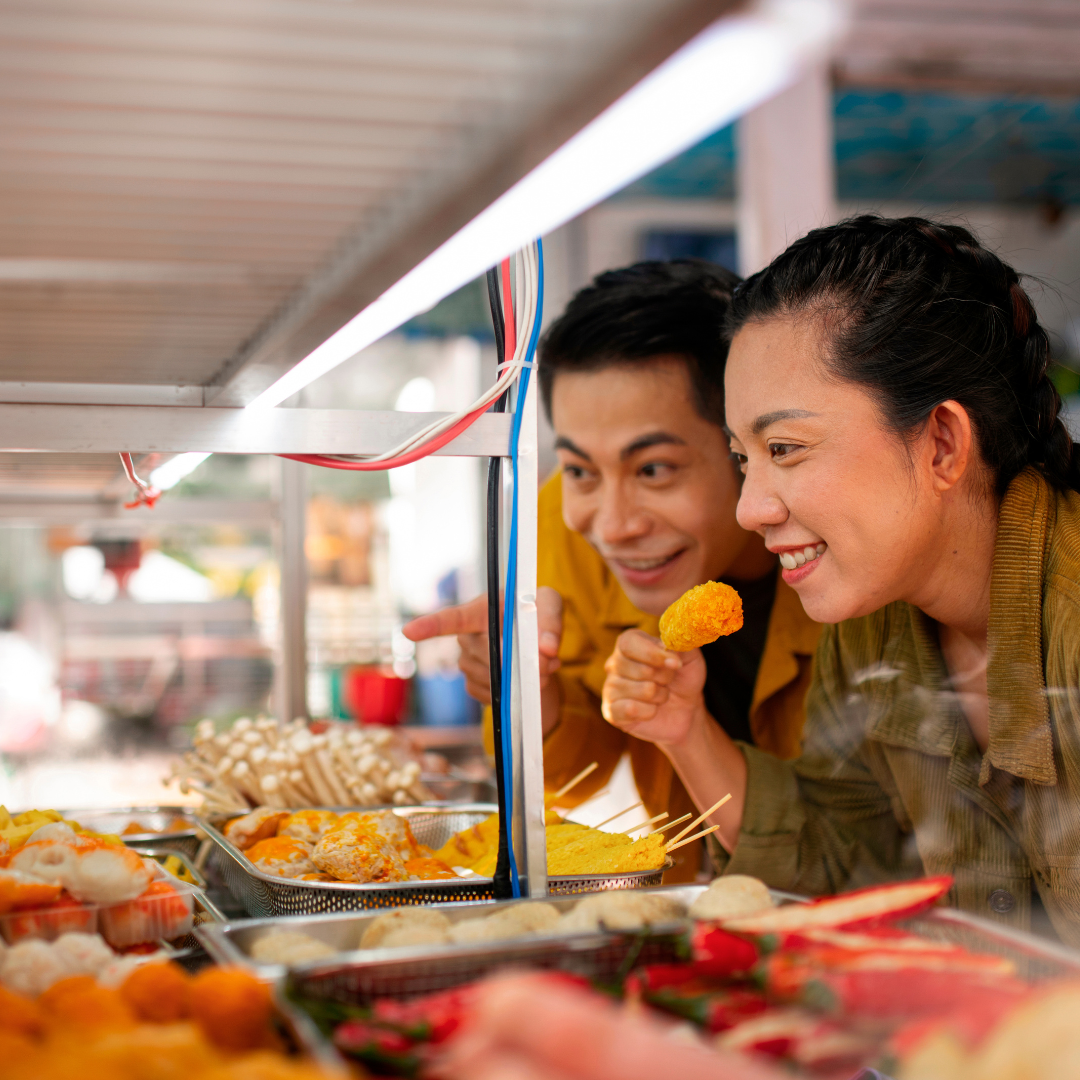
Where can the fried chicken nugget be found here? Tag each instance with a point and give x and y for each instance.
(232, 1007)
(19, 1014)
(702, 614)
(158, 992)
(78, 1002)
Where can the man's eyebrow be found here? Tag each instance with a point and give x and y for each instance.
(657, 438)
(769, 418)
(563, 443)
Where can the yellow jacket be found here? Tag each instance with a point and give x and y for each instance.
(595, 612)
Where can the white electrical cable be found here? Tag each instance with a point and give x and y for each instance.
(525, 276)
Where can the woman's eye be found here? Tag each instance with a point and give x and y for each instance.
(739, 459)
(779, 450)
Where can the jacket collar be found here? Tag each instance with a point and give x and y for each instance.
(1021, 740)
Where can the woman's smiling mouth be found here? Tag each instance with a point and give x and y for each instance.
(798, 563)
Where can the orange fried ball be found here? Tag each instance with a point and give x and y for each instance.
(72, 1003)
(232, 1007)
(702, 614)
(20, 1015)
(158, 993)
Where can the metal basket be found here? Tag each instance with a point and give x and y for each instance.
(361, 975)
(185, 841)
(264, 895)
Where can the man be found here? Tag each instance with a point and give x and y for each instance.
(643, 509)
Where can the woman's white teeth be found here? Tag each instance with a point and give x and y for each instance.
(789, 560)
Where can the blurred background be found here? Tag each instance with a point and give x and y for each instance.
(207, 159)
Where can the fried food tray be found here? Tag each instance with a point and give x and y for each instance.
(265, 895)
(157, 818)
(359, 976)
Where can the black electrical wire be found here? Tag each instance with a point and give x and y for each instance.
(502, 884)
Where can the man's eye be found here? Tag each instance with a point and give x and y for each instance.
(779, 450)
(655, 470)
(576, 472)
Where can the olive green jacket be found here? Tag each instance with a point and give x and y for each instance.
(891, 783)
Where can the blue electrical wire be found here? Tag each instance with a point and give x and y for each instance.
(511, 567)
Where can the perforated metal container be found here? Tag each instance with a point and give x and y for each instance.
(156, 818)
(263, 895)
(360, 975)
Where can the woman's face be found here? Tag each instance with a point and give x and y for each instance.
(849, 509)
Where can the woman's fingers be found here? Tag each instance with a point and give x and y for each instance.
(638, 646)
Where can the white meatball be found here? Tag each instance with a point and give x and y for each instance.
(31, 967)
(84, 954)
(405, 936)
(621, 910)
(732, 897)
(378, 929)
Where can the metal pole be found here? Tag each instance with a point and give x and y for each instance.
(292, 669)
(530, 843)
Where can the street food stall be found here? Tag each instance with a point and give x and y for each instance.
(221, 204)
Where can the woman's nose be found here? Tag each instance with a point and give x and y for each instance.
(760, 506)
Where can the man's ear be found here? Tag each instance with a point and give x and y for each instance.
(951, 444)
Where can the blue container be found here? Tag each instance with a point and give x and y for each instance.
(442, 701)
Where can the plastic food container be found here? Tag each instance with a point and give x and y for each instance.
(172, 827)
(165, 912)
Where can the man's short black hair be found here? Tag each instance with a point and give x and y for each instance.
(641, 312)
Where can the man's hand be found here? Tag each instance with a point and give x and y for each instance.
(652, 693)
(469, 622)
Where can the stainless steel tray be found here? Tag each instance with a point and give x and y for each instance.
(156, 817)
(359, 976)
(264, 895)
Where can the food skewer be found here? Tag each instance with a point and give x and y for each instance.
(651, 821)
(690, 839)
(618, 815)
(697, 821)
(576, 780)
(671, 824)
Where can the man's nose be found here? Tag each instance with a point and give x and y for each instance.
(618, 518)
(760, 505)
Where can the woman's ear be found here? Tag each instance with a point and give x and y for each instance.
(951, 444)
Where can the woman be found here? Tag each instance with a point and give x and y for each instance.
(888, 400)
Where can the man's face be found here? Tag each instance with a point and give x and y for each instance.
(646, 480)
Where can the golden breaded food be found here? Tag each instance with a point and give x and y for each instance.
(283, 856)
(702, 614)
(308, 825)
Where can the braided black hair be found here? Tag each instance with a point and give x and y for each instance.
(640, 312)
(920, 313)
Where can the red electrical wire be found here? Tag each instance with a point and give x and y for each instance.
(145, 494)
(390, 463)
(509, 321)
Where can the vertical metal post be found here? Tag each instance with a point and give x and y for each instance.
(530, 841)
(292, 670)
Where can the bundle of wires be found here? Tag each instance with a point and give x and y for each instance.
(518, 335)
(437, 434)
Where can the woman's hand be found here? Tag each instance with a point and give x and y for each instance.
(652, 693)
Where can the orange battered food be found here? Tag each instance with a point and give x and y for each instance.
(428, 869)
(283, 856)
(701, 615)
(232, 1007)
(308, 825)
(159, 993)
(356, 850)
(261, 824)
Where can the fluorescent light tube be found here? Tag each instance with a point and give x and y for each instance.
(175, 469)
(735, 64)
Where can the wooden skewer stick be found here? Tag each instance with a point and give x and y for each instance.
(690, 839)
(671, 824)
(577, 779)
(651, 821)
(697, 821)
(619, 814)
